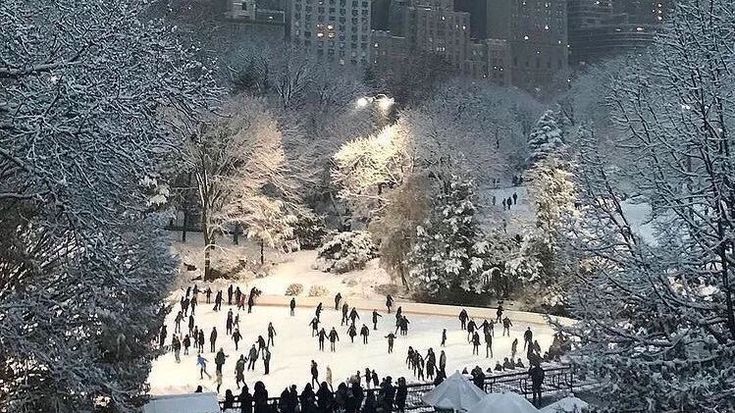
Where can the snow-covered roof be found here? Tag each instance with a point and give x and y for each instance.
(503, 403)
(456, 392)
(183, 403)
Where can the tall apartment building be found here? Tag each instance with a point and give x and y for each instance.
(434, 26)
(602, 28)
(536, 31)
(490, 59)
(335, 31)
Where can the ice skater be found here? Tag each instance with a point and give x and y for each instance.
(527, 338)
(499, 313)
(388, 302)
(314, 373)
(252, 358)
(364, 332)
(391, 339)
(202, 363)
(337, 299)
(375, 319)
(333, 339)
(475, 344)
(352, 332)
(514, 348)
(229, 322)
(236, 337)
(463, 319)
(314, 326)
(345, 314)
(292, 307)
(506, 326)
(444, 338)
(318, 311)
(271, 334)
(179, 318)
(354, 315)
(322, 335)
(471, 326)
(212, 339)
(488, 345)
(240, 371)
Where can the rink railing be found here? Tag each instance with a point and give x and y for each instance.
(558, 379)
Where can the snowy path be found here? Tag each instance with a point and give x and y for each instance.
(295, 348)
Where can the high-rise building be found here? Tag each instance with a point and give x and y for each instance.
(489, 59)
(335, 31)
(536, 31)
(602, 28)
(241, 10)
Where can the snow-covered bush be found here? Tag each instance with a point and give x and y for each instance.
(294, 289)
(309, 231)
(317, 290)
(345, 252)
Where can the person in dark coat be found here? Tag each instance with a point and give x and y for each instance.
(444, 338)
(230, 290)
(318, 311)
(162, 336)
(292, 306)
(212, 339)
(321, 337)
(314, 323)
(442, 360)
(345, 314)
(388, 302)
(252, 357)
(537, 380)
(201, 341)
(229, 400)
(219, 360)
(352, 332)
(370, 403)
(283, 401)
(527, 338)
(266, 361)
(271, 334)
(314, 373)
(292, 402)
(354, 315)
(246, 400)
(357, 396)
(260, 397)
(499, 314)
(191, 323)
(236, 337)
(240, 371)
(463, 319)
(208, 293)
(389, 394)
(324, 398)
(308, 399)
(375, 319)
(401, 393)
(506, 326)
(333, 339)
(376, 382)
(368, 377)
(186, 342)
(228, 323)
(391, 339)
(475, 344)
(251, 303)
(364, 332)
(337, 299)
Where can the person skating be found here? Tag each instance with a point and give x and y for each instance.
(345, 314)
(246, 400)
(404, 325)
(314, 323)
(463, 319)
(228, 323)
(266, 361)
(488, 345)
(499, 313)
(388, 302)
(471, 326)
(376, 382)
(238, 295)
(271, 334)
(252, 358)
(187, 343)
(176, 346)
(322, 335)
(208, 293)
(202, 363)
(191, 323)
(391, 339)
(364, 332)
(514, 348)
(375, 319)
(442, 361)
(537, 347)
(219, 361)
(314, 373)
(218, 301)
(292, 307)
(401, 393)
(177, 322)
(515, 198)
(527, 338)
(537, 380)
(333, 339)
(475, 344)
(212, 339)
(337, 299)
(410, 358)
(506, 326)
(240, 371)
(354, 315)
(444, 338)
(162, 336)
(420, 367)
(193, 304)
(185, 306)
(236, 337)
(491, 327)
(230, 290)
(236, 323)
(318, 311)
(352, 332)
(430, 367)
(201, 341)
(251, 302)
(261, 344)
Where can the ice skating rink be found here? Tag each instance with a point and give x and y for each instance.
(295, 347)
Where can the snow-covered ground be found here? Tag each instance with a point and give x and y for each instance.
(295, 348)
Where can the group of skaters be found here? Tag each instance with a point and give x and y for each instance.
(508, 203)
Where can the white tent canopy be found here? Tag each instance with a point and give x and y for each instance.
(503, 403)
(569, 404)
(183, 403)
(456, 392)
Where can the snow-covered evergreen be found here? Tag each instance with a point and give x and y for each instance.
(546, 138)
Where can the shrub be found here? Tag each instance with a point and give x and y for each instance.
(294, 289)
(309, 231)
(345, 252)
(317, 291)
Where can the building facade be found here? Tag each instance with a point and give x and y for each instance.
(599, 29)
(334, 31)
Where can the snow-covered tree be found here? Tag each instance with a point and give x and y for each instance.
(84, 264)
(546, 138)
(657, 324)
(444, 259)
(240, 171)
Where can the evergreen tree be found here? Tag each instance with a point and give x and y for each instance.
(546, 138)
(444, 258)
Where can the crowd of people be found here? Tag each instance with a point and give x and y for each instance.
(350, 395)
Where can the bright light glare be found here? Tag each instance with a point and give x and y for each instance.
(362, 102)
(386, 103)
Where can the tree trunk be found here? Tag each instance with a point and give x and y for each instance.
(186, 222)
(262, 259)
(235, 235)
(402, 270)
